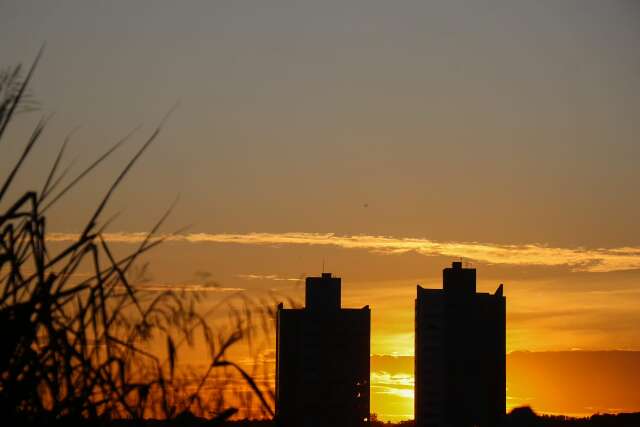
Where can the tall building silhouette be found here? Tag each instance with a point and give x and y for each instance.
(322, 360)
(459, 353)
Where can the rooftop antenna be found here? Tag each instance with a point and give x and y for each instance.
(322, 265)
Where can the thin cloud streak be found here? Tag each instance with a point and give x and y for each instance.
(273, 277)
(578, 259)
(184, 287)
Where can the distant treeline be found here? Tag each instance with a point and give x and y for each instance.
(525, 417)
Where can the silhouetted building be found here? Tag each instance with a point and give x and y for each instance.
(460, 353)
(322, 360)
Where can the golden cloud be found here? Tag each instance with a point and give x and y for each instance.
(578, 259)
(184, 287)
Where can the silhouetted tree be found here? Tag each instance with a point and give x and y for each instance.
(522, 417)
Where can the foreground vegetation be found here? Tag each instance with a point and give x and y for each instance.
(77, 329)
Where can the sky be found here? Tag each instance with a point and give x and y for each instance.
(380, 139)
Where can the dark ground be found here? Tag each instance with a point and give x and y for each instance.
(520, 417)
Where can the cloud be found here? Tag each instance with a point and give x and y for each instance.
(519, 317)
(273, 277)
(578, 259)
(595, 381)
(393, 365)
(400, 385)
(382, 378)
(184, 287)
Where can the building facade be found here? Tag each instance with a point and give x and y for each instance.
(322, 360)
(460, 351)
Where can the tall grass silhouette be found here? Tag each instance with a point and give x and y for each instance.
(77, 350)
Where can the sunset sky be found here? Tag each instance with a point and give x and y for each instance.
(380, 139)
